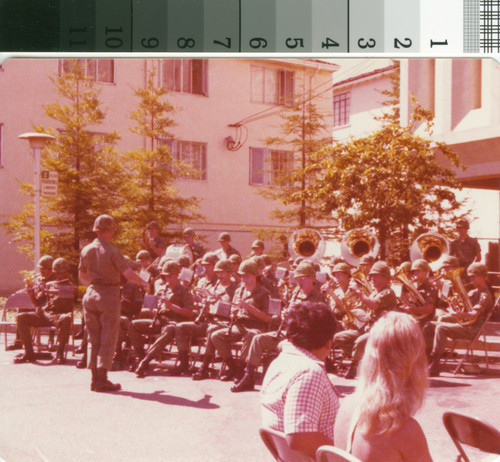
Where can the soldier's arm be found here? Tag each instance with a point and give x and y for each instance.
(132, 276)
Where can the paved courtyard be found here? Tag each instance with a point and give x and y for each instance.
(47, 413)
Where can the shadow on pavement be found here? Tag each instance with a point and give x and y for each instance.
(160, 397)
(437, 383)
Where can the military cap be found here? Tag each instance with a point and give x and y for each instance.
(153, 225)
(342, 268)
(171, 267)
(143, 255)
(235, 258)
(451, 261)
(477, 269)
(60, 265)
(420, 264)
(366, 260)
(305, 268)
(104, 223)
(210, 258)
(45, 262)
(188, 232)
(224, 237)
(224, 265)
(463, 223)
(248, 267)
(258, 243)
(382, 268)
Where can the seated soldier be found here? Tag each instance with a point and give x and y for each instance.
(463, 324)
(380, 300)
(208, 320)
(56, 312)
(176, 304)
(249, 317)
(308, 291)
(35, 289)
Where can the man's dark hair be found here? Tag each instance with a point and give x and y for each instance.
(310, 325)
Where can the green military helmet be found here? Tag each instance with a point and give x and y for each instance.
(46, 262)
(60, 265)
(104, 223)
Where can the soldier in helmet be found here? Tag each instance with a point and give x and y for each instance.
(101, 265)
(36, 290)
(60, 299)
(464, 247)
(226, 249)
(463, 324)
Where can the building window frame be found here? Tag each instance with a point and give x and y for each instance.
(95, 69)
(192, 153)
(272, 86)
(189, 76)
(341, 109)
(266, 166)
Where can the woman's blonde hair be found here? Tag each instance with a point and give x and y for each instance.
(392, 375)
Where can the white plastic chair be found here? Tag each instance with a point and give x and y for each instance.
(333, 454)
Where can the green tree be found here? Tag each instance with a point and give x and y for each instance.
(152, 168)
(392, 181)
(305, 132)
(88, 166)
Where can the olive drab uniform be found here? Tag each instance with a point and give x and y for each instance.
(103, 263)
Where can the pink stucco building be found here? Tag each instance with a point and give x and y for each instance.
(210, 96)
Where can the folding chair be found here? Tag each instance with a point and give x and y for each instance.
(471, 342)
(333, 454)
(472, 432)
(277, 444)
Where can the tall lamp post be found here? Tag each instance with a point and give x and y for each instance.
(37, 143)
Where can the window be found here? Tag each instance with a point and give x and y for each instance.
(185, 75)
(191, 153)
(270, 166)
(341, 109)
(272, 86)
(99, 70)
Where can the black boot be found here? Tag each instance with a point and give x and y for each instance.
(102, 384)
(247, 383)
(93, 380)
(60, 359)
(82, 364)
(203, 371)
(183, 366)
(434, 368)
(230, 371)
(142, 368)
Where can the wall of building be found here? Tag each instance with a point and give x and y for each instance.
(228, 201)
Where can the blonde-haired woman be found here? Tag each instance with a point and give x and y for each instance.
(376, 423)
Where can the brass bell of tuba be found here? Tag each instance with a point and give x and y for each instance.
(432, 247)
(307, 243)
(459, 301)
(357, 243)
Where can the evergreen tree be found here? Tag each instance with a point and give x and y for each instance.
(90, 176)
(153, 169)
(304, 131)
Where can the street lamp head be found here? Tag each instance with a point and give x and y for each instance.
(37, 140)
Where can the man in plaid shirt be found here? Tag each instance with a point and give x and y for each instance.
(297, 396)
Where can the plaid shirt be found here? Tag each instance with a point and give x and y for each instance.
(297, 395)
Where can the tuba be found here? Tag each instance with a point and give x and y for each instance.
(413, 297)
(459, 301)
(307, 243)
(358, 242)
(432, 247)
